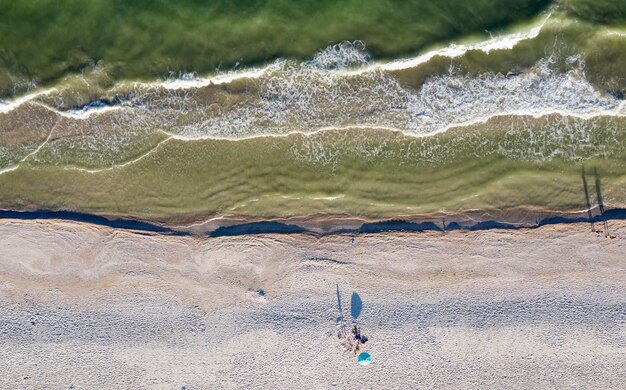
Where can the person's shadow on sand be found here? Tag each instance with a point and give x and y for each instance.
(356, 305)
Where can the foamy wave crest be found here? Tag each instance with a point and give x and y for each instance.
(298, 97)
(518, 137)
(290, 96)
(341, 56)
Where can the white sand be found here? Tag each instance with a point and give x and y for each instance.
(103, 309)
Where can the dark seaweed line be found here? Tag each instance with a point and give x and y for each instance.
(274, 227)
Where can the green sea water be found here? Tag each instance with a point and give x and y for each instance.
(42, 40)
(374, 173)
(374, 109)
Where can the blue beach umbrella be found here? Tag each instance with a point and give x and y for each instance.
(364, 358)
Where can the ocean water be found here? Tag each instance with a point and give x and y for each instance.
(43, 40)
(372, 109)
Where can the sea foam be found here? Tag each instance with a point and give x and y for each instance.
(338, 88)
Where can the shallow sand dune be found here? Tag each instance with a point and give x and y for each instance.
(93, 307)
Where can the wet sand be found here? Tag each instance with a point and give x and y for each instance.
(93, 307)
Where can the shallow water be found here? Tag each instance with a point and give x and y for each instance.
(500, 120)
(504, 163)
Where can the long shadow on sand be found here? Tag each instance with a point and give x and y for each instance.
(270, 227)
(396, 225)
(356, 305)
(274, 227)
(124, 224)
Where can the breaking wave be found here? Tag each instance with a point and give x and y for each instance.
(338, 88)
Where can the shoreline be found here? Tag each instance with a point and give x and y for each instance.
(327, 224)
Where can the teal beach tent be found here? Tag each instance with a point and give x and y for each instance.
(364, 358)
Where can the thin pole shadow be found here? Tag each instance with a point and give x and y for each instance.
(340, 317)
(342, 331)
(588, 202)
(601, 202)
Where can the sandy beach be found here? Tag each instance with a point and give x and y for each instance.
(84, 306)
